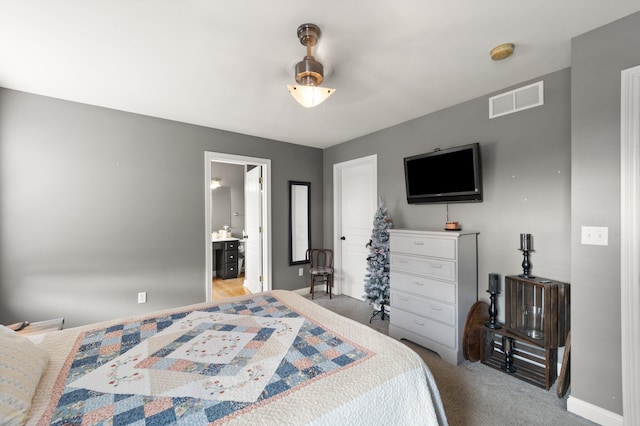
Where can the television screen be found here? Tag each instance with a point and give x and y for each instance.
(447, 175)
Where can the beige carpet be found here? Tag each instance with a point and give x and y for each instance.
(473, 394)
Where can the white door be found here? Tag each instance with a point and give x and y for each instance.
(253, 228)
(355, 195)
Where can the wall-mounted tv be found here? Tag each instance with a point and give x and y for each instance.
(444, 176)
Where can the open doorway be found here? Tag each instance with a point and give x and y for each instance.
(235, 228)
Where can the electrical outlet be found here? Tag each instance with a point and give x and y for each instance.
(300, 272)
(595, 235)
(142, 297)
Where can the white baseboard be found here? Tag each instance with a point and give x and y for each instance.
(593, 412)
(306, 290)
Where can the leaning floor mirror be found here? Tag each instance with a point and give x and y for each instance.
(299, 222)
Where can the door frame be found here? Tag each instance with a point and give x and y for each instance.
(338, 168)
(630, 242)
(265, 163)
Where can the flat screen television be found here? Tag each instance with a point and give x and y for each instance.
(444, 176)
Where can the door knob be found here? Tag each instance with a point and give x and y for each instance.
(343, 238)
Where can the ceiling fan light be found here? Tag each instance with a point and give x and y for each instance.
(309, 96)
(309, 72)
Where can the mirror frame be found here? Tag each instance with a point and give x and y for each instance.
(292, 185)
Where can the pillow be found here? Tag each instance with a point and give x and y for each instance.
(22, 363)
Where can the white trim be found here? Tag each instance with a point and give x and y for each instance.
(593, 412)
(337, 208)
(307, 290)
(266, 213)
(630, 242)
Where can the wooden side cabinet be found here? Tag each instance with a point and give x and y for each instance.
(537, 323)
(532, 362)
(548, 297)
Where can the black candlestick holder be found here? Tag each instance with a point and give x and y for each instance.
(493, 311)
(507, 348)
(526, 265)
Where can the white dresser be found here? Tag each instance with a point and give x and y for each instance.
(434, 283)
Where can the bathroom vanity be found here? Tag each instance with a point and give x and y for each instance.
(225, 257)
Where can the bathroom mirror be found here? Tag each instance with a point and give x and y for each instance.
(220, 208)
(299, 221)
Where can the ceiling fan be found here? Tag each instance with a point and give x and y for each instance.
(309, 72)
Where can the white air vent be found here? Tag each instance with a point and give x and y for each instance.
(516, 100)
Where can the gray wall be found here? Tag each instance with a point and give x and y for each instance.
(97, 205)
(526, 179)
(597, 59)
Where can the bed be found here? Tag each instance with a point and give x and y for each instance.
(269, 358)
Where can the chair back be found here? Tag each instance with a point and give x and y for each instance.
(320, 258)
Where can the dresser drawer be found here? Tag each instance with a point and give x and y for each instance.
(435, 268)
(230, 256)
(444, 248)
(429, 329)
(426, 307)
(423, 286)
(231, 270)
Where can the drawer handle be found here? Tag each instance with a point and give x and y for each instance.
(439, 265)
(418, 243)
(436, 308)
(418, 283)
(403, 261)
(418, 322)
(404, 299)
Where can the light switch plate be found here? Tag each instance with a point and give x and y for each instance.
(595, 235)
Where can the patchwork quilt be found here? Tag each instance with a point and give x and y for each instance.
(270, 358)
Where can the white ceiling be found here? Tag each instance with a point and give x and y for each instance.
(226, 64)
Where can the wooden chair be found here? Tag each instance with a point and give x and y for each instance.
(320, 268)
